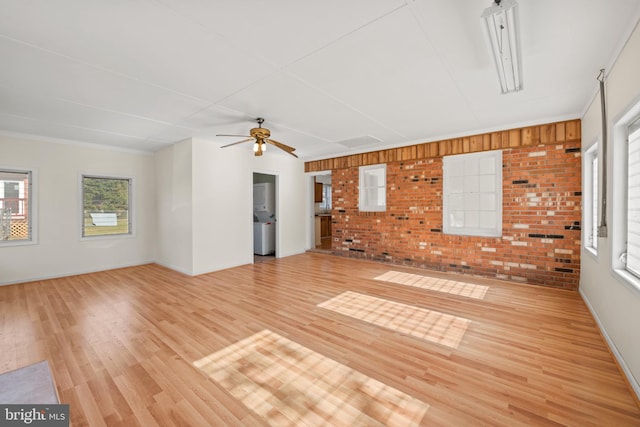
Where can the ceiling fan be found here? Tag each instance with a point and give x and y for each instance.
(260, 136)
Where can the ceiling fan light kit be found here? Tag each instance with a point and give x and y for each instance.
(259, 147)
(500, 21)
(260, 137)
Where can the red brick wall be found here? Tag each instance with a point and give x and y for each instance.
(540, 243)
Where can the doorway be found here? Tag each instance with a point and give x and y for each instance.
(265, 229)
(321, 223)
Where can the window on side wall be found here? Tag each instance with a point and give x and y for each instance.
(106, 207)
(472, 194)
(373, 188)
(633, 199)
(16, 207)
(591, 198)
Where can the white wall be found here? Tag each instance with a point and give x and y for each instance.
(615, 305)
(192, 207)
(173, 187)
(205, 205)
(292, 199)
(60, 251)
(223, 204)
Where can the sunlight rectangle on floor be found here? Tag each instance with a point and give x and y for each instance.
(290, 385)
(453, 287)
(418, 322)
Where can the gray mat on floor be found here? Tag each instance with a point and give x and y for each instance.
(31, 384)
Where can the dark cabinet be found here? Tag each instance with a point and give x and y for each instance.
(325, 226)
(317, 193)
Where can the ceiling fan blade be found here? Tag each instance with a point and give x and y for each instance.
(240, 136)
(282, 146)
(238, 142)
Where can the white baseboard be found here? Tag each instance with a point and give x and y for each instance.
(627, 372)
(73, 273)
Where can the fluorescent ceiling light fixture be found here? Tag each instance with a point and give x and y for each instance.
(500, 22)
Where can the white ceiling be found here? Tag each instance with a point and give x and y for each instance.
(328, 76)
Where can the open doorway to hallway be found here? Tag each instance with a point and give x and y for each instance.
(264, 217)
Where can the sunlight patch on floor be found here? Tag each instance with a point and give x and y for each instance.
(290, 385)
(435, 284)
(418, 322)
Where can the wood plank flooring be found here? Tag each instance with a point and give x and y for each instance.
(130, 347)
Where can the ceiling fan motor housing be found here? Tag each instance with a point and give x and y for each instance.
(261, 133)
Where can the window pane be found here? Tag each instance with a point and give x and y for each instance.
(373, 177)
(15, 205)
(372, 196)
(456, 219)
(326, 197)
(594, 202)
(633, 204)
(106, 206)
(455, 183)
(487, 220)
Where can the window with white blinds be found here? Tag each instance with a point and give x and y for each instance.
(633, 199)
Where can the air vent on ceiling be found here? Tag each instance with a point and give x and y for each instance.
(359, 141)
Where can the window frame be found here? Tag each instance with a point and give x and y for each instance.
(130, 208)
(32, 207)
(365, 205)
(591, 198)
(451, 167)
(619, 199)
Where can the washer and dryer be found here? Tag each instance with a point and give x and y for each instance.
(264, 226)
(264, 238)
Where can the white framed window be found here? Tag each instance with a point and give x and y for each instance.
(472, 194)
(17, 207)
(590, 198)
(106, 206)
(373, 188)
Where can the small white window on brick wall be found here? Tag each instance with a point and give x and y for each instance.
(373, 188)
(472, 194)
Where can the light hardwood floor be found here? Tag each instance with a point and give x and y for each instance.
(147, 346)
